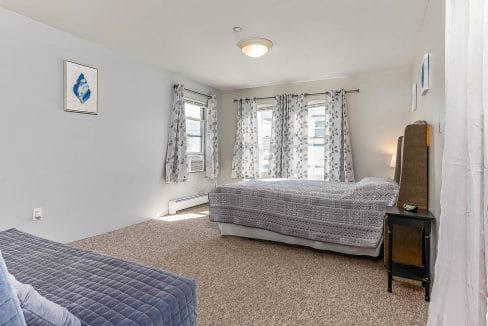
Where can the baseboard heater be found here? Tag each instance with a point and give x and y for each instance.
(186, 202)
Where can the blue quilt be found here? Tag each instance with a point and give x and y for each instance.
(98, 289)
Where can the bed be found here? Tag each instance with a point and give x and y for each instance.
(341, 217)
(98, 289)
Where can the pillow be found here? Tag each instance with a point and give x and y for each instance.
(10, 311)
(376, 180)
(38, 309)
(374, 189)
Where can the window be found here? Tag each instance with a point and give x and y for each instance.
(265, 119)
(194, 117)
(316, 141)
(195, 131)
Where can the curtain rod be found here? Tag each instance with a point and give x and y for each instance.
(196, 92)
(306, 94)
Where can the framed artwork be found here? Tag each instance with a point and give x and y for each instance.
(80, 88)
(424, 74)
(414, 97)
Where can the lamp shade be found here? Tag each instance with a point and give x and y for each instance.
(393, 161)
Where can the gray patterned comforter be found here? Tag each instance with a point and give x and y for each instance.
(98, 289)
(341, 213)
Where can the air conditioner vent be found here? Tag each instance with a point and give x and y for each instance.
(196, 163)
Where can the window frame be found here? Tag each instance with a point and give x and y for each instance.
(203, 119)
(319, 103)
(311, 105)
(264, 106)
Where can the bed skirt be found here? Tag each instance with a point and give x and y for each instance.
(261, 234)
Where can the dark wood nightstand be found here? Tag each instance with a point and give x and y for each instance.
(422, 219)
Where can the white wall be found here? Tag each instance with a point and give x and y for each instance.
(378, 115)
(431, 106)
(90, 174)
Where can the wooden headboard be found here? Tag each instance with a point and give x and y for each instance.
(398, 167)
(412, 174)
(412, 168)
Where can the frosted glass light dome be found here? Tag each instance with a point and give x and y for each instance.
(255, 47)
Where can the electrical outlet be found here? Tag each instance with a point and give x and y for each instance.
(37, 214)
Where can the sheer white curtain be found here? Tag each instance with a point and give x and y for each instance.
(459, 294)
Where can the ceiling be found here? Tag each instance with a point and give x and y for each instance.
(313, 39)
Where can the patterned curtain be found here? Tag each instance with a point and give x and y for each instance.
(245, 161)
(176, 169)
(289, 138)
(212, 168)
(338, 154)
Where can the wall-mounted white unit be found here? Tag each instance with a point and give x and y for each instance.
(186, 202)
(196, 163)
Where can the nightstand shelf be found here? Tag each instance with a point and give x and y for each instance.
(423, 220)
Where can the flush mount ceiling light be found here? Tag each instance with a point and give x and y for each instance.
(255, 46)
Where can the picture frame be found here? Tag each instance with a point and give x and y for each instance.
(414, 97)
(425, 74)
(80, 88)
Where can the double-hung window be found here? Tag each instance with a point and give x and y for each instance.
(265, 120)
(316, 141)
(195, 135)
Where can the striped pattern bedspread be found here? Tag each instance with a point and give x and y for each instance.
(341, 213)
(98, 289)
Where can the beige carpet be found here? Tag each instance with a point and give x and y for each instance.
(250, 282)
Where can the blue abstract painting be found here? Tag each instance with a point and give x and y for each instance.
(82, 89)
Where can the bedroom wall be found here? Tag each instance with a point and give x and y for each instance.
(90, 174)
(431, 106)
(378, 115)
